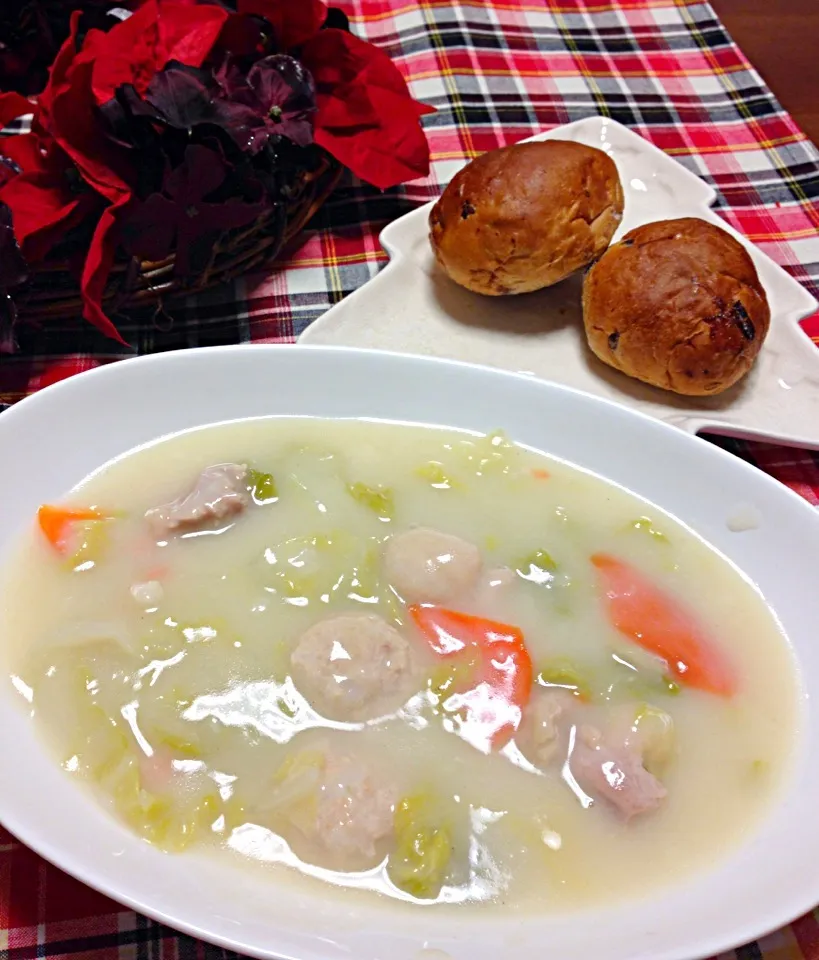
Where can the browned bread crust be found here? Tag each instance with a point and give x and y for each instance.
(677, 304)
(526, 216)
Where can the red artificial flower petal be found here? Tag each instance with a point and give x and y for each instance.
(98, 266)
(188, 33)
(24, 149)
(12, 106)
(57, 76)
(43, 210)
(294, 21)
(75, 125)
(152, 36)
(366, 117)
(63, 369)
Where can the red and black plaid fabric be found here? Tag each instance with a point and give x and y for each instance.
(496, 72)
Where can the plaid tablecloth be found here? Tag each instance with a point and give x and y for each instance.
(497, 72)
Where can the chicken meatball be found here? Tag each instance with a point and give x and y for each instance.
(355, 811)
(351, 667)
(426, 565)
(341, 809)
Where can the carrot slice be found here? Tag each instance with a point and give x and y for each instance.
(56, 523)
(495, 706)
(657, 622)
(540, 474)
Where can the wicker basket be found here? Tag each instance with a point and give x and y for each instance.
(52, 292)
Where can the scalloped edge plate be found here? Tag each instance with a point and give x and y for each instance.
(411, 307)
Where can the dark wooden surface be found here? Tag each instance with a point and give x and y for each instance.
(781, 39)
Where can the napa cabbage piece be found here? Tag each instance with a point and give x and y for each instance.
(423, 849)
(172, 823)
(538, 567)
(490, 455)
(452, 676)
(645, 525)
(262, 487)
(381, 500)
(636, 675)
(99, 743)
(171, 637)
(565, 674)
(435, 475)
(331, 569)
(652, 729)
(89, 541)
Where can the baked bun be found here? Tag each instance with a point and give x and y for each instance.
(677, 304)
(526, 216)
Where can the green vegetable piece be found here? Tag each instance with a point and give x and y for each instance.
(455, 676)
(563, 673)
(180, 745)
(422, 852)
(654, 731)
(669, 686)
(262, 487)
(537, 568)
(638, 676)
(378, 499)
(646, 525)
(759, 767)
(433, 472)
(91, 538)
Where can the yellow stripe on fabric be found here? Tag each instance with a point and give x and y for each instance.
(568, 39)
(447, 74)
(739, 147)
(350, 258)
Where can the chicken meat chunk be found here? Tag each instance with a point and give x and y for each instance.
(219, 493)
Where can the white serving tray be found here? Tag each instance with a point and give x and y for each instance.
(412, 307)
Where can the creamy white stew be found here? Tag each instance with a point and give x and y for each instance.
(420, 662)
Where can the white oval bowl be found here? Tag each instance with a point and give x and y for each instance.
(56, 438)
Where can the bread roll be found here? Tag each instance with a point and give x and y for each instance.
(677, 304)
(526, 216)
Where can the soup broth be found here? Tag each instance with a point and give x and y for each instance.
(437, 666)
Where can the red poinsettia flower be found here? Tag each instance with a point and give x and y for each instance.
(46, 197)
(40, 185)
(66, 111)
(294, 23)
(157, 33)
(224, 102)
(366, 116)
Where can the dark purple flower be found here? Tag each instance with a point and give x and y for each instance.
(280, 93)
(181, 218)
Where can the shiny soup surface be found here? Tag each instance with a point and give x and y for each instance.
(408, 660)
